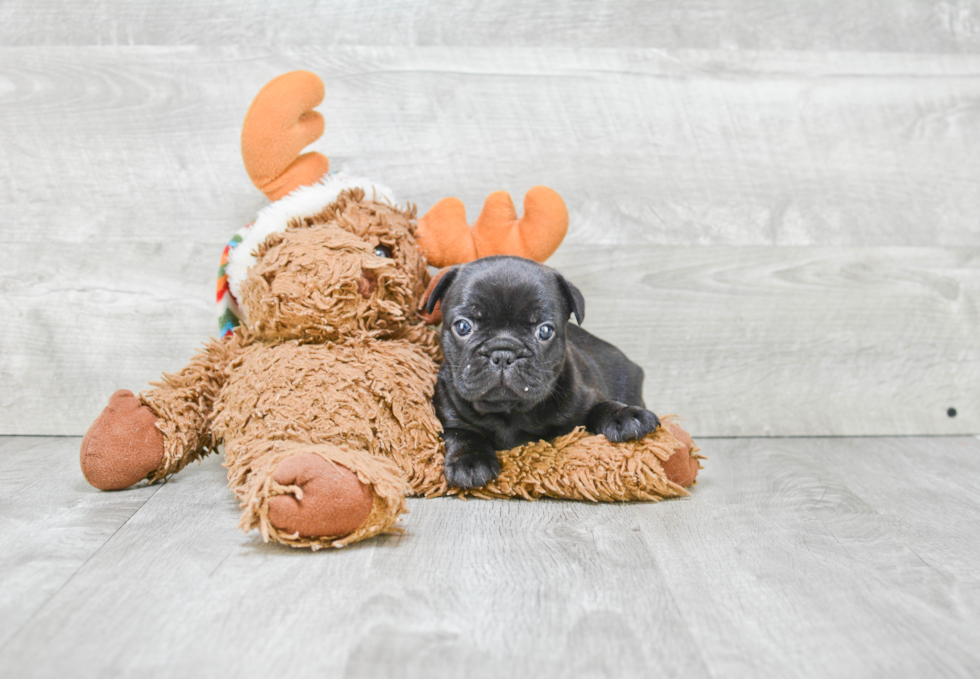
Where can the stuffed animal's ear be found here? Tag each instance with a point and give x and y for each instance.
(576, 302)
(441, 285)
(445, 238)
(279, 124)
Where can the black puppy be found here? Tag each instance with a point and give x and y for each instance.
(516, 371)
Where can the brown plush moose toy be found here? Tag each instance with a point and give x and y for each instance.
(322, 397)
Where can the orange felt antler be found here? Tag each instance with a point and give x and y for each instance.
(445, 239)
(279, 124)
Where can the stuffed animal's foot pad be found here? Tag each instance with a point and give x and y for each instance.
(681, 467)
(123, 445)
(334, 501)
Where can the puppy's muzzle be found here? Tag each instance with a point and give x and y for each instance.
(501, 352)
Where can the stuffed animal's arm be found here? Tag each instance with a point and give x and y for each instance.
(183, 403)
(157, 434)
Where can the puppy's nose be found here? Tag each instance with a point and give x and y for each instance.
(503, 357)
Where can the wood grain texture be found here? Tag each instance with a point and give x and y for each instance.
(51, 523)
(467, 587)
(793, 341)
(793, 557)
(94, 318)
(120, 180)
(645, 146)
(868, 25)
(828, 557)
(739, 341)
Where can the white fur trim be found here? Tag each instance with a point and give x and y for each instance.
(303, 202)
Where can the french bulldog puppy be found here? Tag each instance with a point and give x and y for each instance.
(515, 370)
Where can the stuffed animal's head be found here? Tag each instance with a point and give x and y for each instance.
(352, 268)
(333, 255)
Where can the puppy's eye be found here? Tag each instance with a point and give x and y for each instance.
(462, 327)
(546, 332)
(382, 251)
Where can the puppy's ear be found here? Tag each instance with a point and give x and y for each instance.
(440, 288)
(576, 302)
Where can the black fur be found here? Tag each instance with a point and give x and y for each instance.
(501, 384)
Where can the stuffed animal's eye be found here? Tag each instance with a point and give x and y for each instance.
(382, 251)
(462, 327)
(546, 332)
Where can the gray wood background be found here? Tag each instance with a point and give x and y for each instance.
(775, 207)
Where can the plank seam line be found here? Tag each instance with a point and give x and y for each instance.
(54, 594)
(652, 553)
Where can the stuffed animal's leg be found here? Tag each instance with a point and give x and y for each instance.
(157, 434)
(682, 466)
(583, 466)
(314, 495)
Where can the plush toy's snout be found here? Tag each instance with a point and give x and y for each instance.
(321, 282)
(368, 283)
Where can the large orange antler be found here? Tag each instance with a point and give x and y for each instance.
(279, 124)
(445, 239)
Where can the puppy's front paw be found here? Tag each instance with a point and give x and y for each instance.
(471, 464)
(619, 422)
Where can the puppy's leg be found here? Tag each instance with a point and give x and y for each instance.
(620, 422)
(471, 462)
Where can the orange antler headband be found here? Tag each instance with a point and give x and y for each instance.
(280, 123)
(445, 239)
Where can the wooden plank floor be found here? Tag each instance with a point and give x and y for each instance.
(806, 557)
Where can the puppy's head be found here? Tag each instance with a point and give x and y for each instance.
(504, 321)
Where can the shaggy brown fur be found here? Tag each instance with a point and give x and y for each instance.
(333, 362)
(580, 466)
